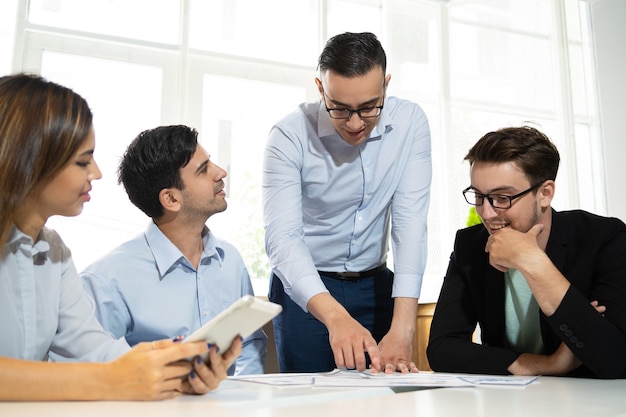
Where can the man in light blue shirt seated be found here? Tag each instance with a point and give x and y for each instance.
(177, 275)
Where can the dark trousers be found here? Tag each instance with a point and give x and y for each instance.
(302, 343)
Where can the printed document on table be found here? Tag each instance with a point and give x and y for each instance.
(342, 378)
(366, 379)
(499, 379)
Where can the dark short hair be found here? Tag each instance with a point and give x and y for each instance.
(352, 54)
(531, 150)
(153, 162)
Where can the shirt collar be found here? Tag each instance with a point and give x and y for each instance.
(326, 128)
(167, 256)
(20, 240)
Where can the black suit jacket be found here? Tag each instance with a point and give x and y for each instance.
(589, 250)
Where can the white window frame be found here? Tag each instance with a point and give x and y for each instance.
(184, 68)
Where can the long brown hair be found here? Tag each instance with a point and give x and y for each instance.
(42, 125)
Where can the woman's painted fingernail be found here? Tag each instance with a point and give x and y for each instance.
(210, 345)
(192, 374)
(178, 338)
(198, 360)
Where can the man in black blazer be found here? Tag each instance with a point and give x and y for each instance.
(547, 288)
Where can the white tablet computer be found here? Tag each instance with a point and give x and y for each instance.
(243, 317)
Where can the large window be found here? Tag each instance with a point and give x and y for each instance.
(231, 68)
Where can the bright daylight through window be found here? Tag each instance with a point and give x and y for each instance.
(231, 68)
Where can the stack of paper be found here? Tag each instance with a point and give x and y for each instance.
(341, 378)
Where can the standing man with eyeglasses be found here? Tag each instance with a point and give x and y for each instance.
(340, 177)
(547, 288)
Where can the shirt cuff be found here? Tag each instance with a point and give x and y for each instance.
(306, 288)
(406, 285)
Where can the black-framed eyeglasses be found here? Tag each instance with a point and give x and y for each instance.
(363, 113)
(498, 201)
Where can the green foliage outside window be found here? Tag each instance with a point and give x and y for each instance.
(473, 217)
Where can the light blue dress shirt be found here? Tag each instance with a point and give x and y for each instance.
(147, 290)
(44, 311)
(328, 205)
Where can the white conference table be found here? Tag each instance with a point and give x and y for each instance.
(549, 396)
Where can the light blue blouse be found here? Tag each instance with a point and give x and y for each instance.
(43, 307)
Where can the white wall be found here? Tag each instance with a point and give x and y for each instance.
(609, 29)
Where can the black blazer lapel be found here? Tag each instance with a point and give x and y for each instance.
(494, 292)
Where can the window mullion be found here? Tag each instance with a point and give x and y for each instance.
(565, 107)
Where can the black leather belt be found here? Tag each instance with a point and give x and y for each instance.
(354, 276)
